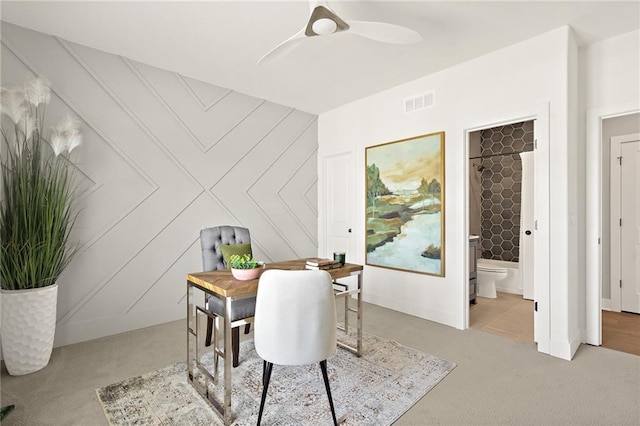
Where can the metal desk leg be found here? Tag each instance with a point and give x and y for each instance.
(346, 313)
(359, 344)
(216, 356)
(228, 358)
(190, 330)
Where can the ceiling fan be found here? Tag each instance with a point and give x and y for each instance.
(323, 21)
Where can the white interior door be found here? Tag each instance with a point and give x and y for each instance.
(527, 225)
(339, 199)
(625, 223)
(542, 239)
(630, 227)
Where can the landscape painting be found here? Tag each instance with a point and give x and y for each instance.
(405, 204)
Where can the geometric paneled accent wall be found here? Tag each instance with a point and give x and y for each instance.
(163, 157)
(501, 183)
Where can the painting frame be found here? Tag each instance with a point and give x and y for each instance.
(405, 204)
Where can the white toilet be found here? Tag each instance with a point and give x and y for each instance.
(488, 276)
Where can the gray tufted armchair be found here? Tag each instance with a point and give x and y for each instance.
(210, 241)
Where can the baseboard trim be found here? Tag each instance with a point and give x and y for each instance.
(606, 304)
(416, 310)
(565, 349)
(517, 291)
(574, 344)
(76, 332)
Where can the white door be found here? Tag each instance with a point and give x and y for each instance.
(630, 227)
(542, 239)
(339, 205)
(625, 223)
(527, 224)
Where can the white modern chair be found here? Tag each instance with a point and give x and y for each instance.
(295, 323)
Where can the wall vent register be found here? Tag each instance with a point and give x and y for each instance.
(418, 102)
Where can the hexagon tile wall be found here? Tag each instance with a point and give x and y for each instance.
(501, 181)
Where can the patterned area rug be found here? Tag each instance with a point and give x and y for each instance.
(375, 389)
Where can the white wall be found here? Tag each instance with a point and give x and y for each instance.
(532, 72)
(163, 157)
(609, 71)
(576, 245)
(609, 86)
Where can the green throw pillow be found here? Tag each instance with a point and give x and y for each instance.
(231, 249)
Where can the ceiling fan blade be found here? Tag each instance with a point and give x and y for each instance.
(315, 3)
(283, 48)
(386, 33)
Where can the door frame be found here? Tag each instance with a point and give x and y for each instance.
(593, 231)
(615, 186)
(540, 115)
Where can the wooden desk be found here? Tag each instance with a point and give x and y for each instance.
(221, 284)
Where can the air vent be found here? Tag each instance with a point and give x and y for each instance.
(418, 102)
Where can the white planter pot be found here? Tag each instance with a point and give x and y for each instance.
(28, 328)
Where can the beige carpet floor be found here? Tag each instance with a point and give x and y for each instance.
(496, 382)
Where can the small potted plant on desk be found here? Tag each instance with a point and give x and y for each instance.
(245, 267)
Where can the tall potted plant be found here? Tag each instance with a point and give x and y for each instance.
(36, 217)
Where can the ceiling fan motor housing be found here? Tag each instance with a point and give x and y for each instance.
(323, 21)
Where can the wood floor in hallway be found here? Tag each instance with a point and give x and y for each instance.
(509, 315)
(621, 331)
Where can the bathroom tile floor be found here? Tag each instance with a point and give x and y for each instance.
(509, 315)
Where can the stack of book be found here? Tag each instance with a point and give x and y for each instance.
(318, 263)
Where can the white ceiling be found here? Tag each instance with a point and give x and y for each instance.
(221, 41)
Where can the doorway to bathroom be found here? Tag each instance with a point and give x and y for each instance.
(539, 114)
(501, 213)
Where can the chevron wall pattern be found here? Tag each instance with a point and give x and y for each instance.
(163, 157)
